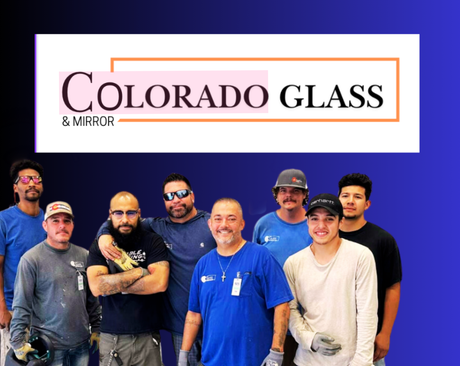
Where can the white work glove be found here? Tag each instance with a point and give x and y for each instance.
(322, 344)
(183, 357)
(273, 359)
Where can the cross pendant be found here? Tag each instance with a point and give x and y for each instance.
(223, 276)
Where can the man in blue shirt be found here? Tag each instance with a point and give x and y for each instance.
(20, 229)
(240, 295)
(285, 231)
(186, 234)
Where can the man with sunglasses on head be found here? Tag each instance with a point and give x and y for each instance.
(129, 288)
(20, 230)
(186, 234)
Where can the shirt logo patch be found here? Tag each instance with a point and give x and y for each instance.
(202, 245)
(272, 238)
(208, 278)
(138, 255)
(77, 264)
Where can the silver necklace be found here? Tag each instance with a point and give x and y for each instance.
(223, 272)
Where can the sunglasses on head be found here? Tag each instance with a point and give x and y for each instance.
(180, 194)
(118, 214)
(27, 178)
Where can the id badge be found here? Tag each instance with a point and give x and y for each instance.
(236, 287)
(81, 286)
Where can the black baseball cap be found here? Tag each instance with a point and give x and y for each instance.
(328, 201)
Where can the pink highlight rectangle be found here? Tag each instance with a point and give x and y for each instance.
(134, 92)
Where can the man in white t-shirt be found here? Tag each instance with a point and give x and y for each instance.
(335, 283)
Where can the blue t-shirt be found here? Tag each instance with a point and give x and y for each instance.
(187, 243)
(281, 238)
(19, 232)
(238, 330)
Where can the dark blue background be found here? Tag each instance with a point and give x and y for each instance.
(415, 195)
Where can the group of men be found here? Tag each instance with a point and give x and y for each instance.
(224, 300)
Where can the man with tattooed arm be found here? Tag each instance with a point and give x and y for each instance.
(129, 287)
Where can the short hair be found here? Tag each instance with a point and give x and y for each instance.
(17, 166)
(275, 191)
(229, 200)
(356, 179)
(175, 177)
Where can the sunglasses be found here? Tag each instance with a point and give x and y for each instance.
(27, 178)
(180, 194)
(118, 214)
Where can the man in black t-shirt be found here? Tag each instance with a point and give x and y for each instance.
(354, 193)
(129, 287)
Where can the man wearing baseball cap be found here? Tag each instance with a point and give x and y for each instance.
(336, 281)
(51, 294)
(285, 231)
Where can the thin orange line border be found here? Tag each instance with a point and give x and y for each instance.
(395, 59)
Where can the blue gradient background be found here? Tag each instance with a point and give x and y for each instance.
(415, 195)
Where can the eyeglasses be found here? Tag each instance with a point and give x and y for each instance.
(27, 178)
(118, 214)
(180, 194)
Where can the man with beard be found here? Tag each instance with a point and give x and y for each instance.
(335, 283)
(130, 301)
(354, 193)
(240, 294)
(20, 229)
(52, 295)
(285, 231)
(186, 234)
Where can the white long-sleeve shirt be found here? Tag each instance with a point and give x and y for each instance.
(338, 299)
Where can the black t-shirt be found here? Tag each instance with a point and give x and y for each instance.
(129, 313)
(387, 259)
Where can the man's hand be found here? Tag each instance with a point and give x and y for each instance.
(106, 247)
(5, 319)
(183, 356)
(21, 353)
(322, 343)
(382, 345)
(273, 359)
(125, 263)
(94, 340)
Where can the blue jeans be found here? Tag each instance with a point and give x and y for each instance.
(380, 362)
(78, 356)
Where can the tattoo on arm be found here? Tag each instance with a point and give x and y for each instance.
(280, 328)
(116, 283)
(192, 322)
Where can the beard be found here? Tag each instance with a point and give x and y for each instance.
(179, 214)
(32, 198)
(126, 241)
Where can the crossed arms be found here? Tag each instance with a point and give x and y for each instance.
(132, 281)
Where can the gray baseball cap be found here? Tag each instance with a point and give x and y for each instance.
(291, 178)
